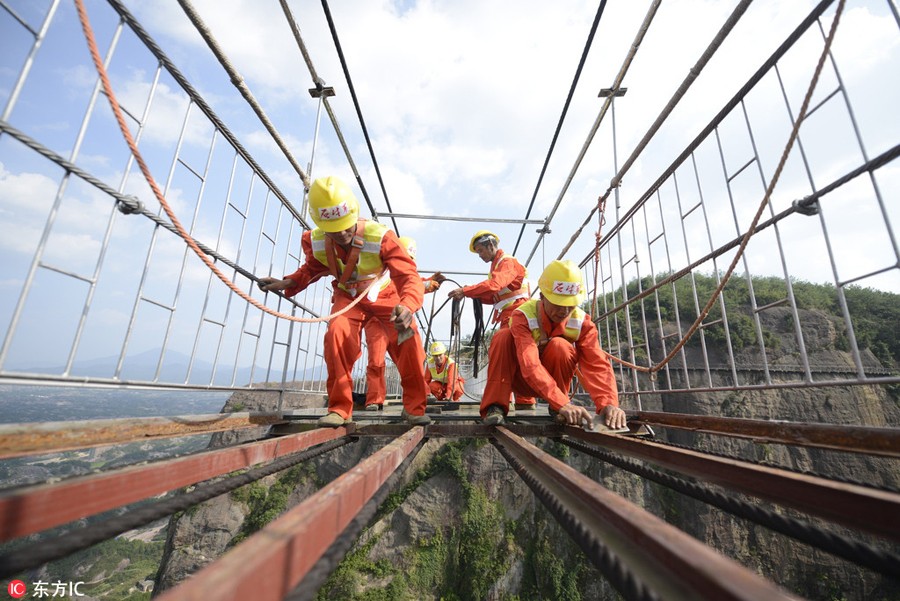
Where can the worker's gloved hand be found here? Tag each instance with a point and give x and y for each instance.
(574, 415)
(401, 317)
(613, 417)
(439, 277)
(268, 284)
(456, 294)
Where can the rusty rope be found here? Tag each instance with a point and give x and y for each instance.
(126, 133)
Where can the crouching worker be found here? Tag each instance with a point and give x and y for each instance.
(442, 376)
(355, 252)
(548, 339)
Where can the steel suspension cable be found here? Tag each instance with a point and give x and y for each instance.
(562, 117)
(204, 107)
(720, 116)
(238, 82)
(617, 83)
(319, 83)
(694, 72)
(362, 122)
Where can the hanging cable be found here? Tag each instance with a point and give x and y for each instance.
(362, 122)
(562, 117)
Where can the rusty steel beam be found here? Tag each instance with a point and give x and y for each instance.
(269, 564)
(17, 440)
(858, 507)
(853, 439)
(31, 509)
(668, 561)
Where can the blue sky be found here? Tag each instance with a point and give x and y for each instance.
(461, 99)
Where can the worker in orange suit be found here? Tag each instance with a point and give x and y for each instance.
(377, 340)
(505, 288)
(356, 252)
(441, 374)
(548, 340)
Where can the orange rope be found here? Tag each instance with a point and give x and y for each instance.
(750, 231)
(114, 104)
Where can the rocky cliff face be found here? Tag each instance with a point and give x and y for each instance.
(464, 526)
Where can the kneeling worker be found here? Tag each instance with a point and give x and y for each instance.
(548, 339)
(356, 252)
(442, 376)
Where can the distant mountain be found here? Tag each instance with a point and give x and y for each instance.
(174, 369)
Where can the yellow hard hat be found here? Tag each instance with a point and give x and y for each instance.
(332, 205)
(437, 348)
(482, 236)
(562, 283)
(410, 245)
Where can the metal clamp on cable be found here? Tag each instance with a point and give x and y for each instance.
(806, 206)
(129, 205)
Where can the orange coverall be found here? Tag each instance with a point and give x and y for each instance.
(510, 274)
(377, 345)
(452, 384)
(343, 336)
(516, 364)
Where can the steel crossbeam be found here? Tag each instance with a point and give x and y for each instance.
(269, 564)
(671, 563)
(32, 509)
(853, 439)
(855, 506)
(17, 440)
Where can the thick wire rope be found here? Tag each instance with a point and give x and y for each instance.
(320, 84)
(562, 117)
(238, 82)
(851, 550)
(745, 240)
(362, 122)
(126, 133)
(43, 551)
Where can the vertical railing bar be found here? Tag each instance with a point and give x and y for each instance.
(256, 263)
(176, 160)
(839, 290)
(240, 250)
(798, 330)
(54, 208)
(676, 307)
(148, 260)
(29, 60)
(659, 321)
(737, 228)
(862, 147)
(709, 239)
(751, 292)
(206, 296)
(209, 281)
(640, 286)
(107, 236)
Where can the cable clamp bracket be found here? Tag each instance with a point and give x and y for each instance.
(129, 205)
(806, 206)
